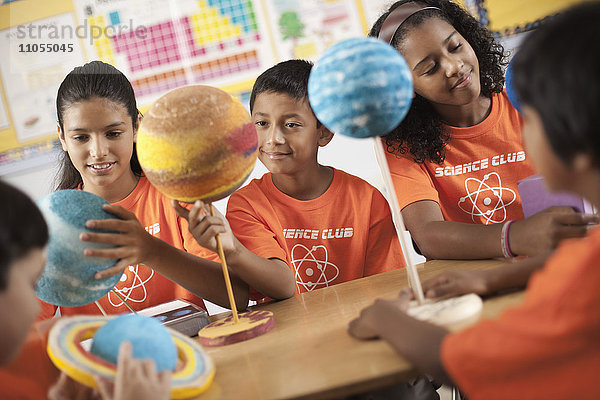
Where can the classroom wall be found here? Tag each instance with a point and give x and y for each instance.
(36, 176)
(35, 181)
(230, 43)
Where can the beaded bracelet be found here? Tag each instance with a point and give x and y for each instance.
(504, 240)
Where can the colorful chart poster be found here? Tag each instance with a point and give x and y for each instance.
(305, 29)
(160, 45)
(31, 77)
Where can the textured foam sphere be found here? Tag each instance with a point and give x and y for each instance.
(360, 87)
(148, 338)
(197, 142)
(68, 278)
(510, 91)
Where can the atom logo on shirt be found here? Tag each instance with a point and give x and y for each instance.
(132, 286)
(487, 198)
(312, 268)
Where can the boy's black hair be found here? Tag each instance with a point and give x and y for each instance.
(288, 77)
(422, 132)
(557, 72)
(22, 228)
(95, 79)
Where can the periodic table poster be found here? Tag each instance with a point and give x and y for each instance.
(160, 45)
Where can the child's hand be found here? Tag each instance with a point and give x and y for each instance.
(136, 379)
(68, 389)
(372, 320)
(135, 244)
(456, 283)
(204, 227)
(543, 231)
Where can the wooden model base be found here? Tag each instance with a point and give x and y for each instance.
(449, 311)
(250, 325)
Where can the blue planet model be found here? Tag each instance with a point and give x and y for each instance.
(68, 278)
(510, 91)
(360, 87)
(148, 338)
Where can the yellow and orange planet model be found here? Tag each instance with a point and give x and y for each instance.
(197, 142)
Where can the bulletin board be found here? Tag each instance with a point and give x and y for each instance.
(509, 17)
(158, 45)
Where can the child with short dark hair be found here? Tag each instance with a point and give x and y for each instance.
(26, 370)
(23, 239)
(549, 346)
(319, 223)
(458, 155)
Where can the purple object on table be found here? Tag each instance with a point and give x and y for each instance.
(535, 197)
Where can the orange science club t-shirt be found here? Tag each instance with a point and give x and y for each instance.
(477, 182)
(344, 234)
(547, 348)
(140, 286)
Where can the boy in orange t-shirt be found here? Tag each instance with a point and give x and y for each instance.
(309, 226)
(549, 346)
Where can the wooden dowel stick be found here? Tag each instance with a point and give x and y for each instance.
(123, 300)
(100, 308)
(411, 269)
(225, 273)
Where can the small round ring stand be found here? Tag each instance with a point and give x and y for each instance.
(449, 311)
(440, 312)
(235, 328)
(194, 372)
(227, 331)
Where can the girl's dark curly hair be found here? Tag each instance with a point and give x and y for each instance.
(422, 131)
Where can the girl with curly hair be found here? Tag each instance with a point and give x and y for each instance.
(547, 346)
(458, 155)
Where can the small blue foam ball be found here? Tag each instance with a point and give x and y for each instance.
(510, 90)
(360, 87)
(149, 340)
(68, 277)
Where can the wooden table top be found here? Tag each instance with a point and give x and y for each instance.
(309, 352)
